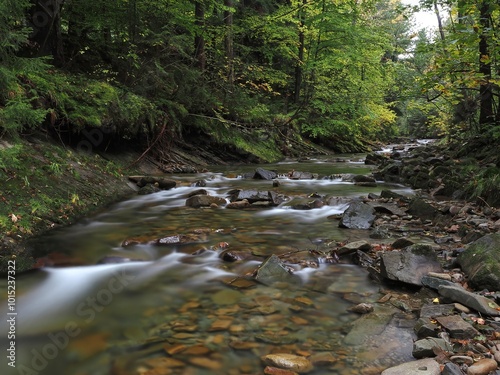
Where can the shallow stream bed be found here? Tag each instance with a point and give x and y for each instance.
(170, 310)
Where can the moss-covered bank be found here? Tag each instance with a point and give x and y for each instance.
(46, 185)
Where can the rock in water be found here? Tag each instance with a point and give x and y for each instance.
(289, 362)
(427, 366)
(358, 215)
(361, 308)
(272, 271)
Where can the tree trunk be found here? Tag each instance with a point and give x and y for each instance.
(46, 23)
(132, 20)
(439, 20)
(199, 40)
(228, 21)
(486, 115)
(298, 66)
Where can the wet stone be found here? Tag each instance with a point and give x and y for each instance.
(207, 363)
(427, 366)
(226, 297)
(451, 369)
(243, 345)
(410, 264)
(426, 328)
(288, 361)
(272, 271)
(457, 327)
(482, 367)
(432, 311)
(322, 359)
(361, 308)
(435, 282)
(269, 370)
(469, 299)
(274, 338)
(424, 348)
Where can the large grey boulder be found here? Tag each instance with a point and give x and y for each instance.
(410, 264)
(481, 263)
(358, 215)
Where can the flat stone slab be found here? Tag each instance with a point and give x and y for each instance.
(435, 282)
(469, 299)
(426, 328)
(410, 264)
(427, 366)
(432, 311)
(457, 327)
(424, 348)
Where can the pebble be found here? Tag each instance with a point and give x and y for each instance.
(206, 363)
(462, 359)
(269, 370)
(362, 308)
(289, 362)
(482, 367)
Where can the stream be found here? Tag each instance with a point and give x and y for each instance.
(170, 310)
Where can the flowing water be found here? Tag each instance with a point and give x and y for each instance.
(170, 310)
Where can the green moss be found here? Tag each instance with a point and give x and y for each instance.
(42, 188)
(245, 140)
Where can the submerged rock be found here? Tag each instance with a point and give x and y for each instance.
(289, 361)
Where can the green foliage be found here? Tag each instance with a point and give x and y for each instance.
(452, 69)
(131, 68)
(482, 184)
(79, 102)
(9, 159)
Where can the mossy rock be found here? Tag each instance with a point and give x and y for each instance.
(481, 263)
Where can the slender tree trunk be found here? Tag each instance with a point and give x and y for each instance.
(439, 20)
(298, 66)
(45, 19)
(486, 115)
(199, 40)
(132, 20)
(229, 46)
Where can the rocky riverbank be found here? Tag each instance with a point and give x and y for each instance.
(436, 262)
